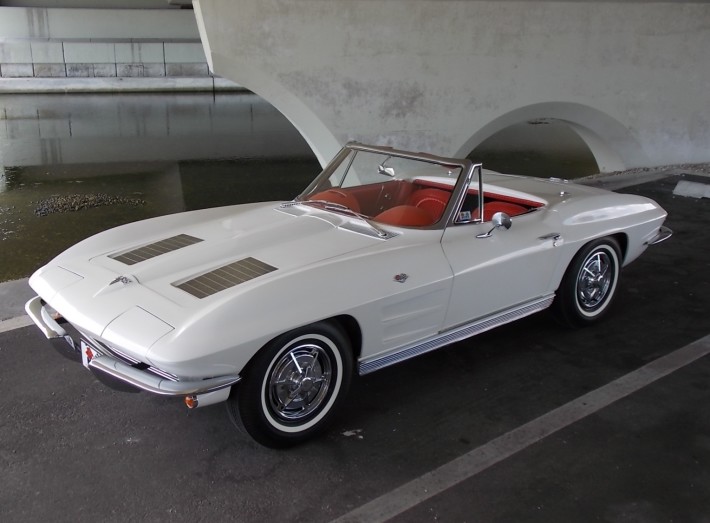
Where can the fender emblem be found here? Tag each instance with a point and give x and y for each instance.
(401, 278)
(121, 279)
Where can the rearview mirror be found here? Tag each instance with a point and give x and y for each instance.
(387, 171)
(499, 219)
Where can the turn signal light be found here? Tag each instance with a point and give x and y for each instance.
(191, 402)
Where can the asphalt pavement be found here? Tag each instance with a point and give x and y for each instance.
(528, 422)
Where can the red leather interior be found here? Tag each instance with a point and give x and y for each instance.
(338, 196)
(425, 206)
(431, 200)
(498, 197)
(406, 216)
(511, 209)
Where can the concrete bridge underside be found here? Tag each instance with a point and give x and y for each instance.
(631, 78)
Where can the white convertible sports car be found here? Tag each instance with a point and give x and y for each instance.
(272, 307)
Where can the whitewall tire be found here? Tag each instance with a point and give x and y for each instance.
(294, 385)
(589, 285)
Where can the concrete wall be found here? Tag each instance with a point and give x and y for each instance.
(631, 78)
(76, 43)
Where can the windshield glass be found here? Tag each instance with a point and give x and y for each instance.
(386, 188)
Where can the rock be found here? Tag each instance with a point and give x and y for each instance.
(78, 202)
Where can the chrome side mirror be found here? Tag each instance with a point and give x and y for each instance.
(500, 219)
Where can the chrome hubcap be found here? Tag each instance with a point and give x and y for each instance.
(299, 382)
(594, 280)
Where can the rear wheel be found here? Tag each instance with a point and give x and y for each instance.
(589, 285)
(294, 385)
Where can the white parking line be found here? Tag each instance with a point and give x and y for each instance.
(15, 323)
(432, 483)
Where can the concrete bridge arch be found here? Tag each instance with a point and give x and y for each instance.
(612, 144)
(312, 127)
(630, 78)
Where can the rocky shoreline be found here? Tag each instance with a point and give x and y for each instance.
(78, 202)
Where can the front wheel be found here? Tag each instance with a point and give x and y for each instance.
(589, 286)
(294, 385)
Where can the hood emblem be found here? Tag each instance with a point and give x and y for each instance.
(121, 279)
(401, 278)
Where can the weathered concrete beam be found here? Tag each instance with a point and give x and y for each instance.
(632, 78)
(99, 43)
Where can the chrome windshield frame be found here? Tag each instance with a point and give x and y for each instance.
(466, 171)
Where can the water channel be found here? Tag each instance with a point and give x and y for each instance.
(103, 160)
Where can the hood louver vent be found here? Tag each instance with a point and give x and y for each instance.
(225, 277)
(156, 249)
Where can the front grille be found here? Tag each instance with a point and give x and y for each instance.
(155, 249)
(225, 277)
(106, 349)
(129, 360)
(162, 373)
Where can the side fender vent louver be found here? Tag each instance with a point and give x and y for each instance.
(155, 249)
(225, 277)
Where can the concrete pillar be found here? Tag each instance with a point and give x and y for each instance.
(631, 78)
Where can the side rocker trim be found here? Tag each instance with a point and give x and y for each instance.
(462, 332)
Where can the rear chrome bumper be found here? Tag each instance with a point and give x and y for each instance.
(108, 368)
(663, 234)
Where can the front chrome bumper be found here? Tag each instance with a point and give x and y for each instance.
(105, 365)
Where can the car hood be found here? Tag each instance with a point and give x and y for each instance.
(99, 286)
(264, 235)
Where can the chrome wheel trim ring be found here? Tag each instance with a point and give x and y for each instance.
(301, 423)
(299, 382)
(596, 280)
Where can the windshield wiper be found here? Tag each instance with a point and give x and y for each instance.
(339, 207)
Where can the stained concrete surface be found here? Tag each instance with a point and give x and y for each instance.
(13, 296)
(72, 450)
